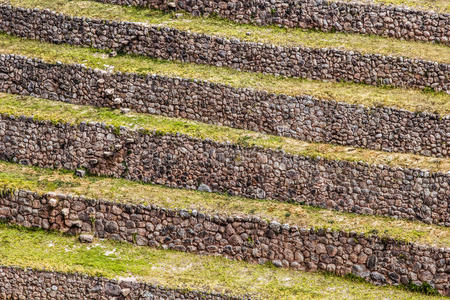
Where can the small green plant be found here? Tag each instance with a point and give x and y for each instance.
(424, 288)
(5, 191)
(116, 130)
(159, 133)
(269, 264)
(55, 122)
(125, 167)
(429, 90)
(92, 218)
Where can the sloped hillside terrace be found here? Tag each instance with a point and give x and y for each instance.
(192, 183)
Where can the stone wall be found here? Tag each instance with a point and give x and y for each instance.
(182, 161)
(398, 22)
(172, 44)
(18, 283)
(381, 261)
(301, 117)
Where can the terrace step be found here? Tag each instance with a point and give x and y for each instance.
(161, 156)
(169, 43)
(285, 37)
(349, 93)
(394, 21)
(143, 221)
(377, 260)
(165, 269)
(59, 183)
(302, 118)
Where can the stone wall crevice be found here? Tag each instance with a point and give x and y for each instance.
(248, 238)
(172, 44)
(186, 162)
(301, 117)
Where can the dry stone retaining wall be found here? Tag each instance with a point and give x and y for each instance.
(19, 283)
(181, 161)
(381, 261)
(300, 117)
(398, 22)
(168, 43)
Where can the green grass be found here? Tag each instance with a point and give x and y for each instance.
(56, 111)
(409, 99)
(442, 6)
(267, 34)
(56, 252)
(14, 176)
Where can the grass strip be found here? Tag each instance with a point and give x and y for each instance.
(15, 176)
(250, 33)
(60, 112)
(352, 93)
(56, 252)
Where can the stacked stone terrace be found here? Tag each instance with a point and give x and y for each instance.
(224, 150)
